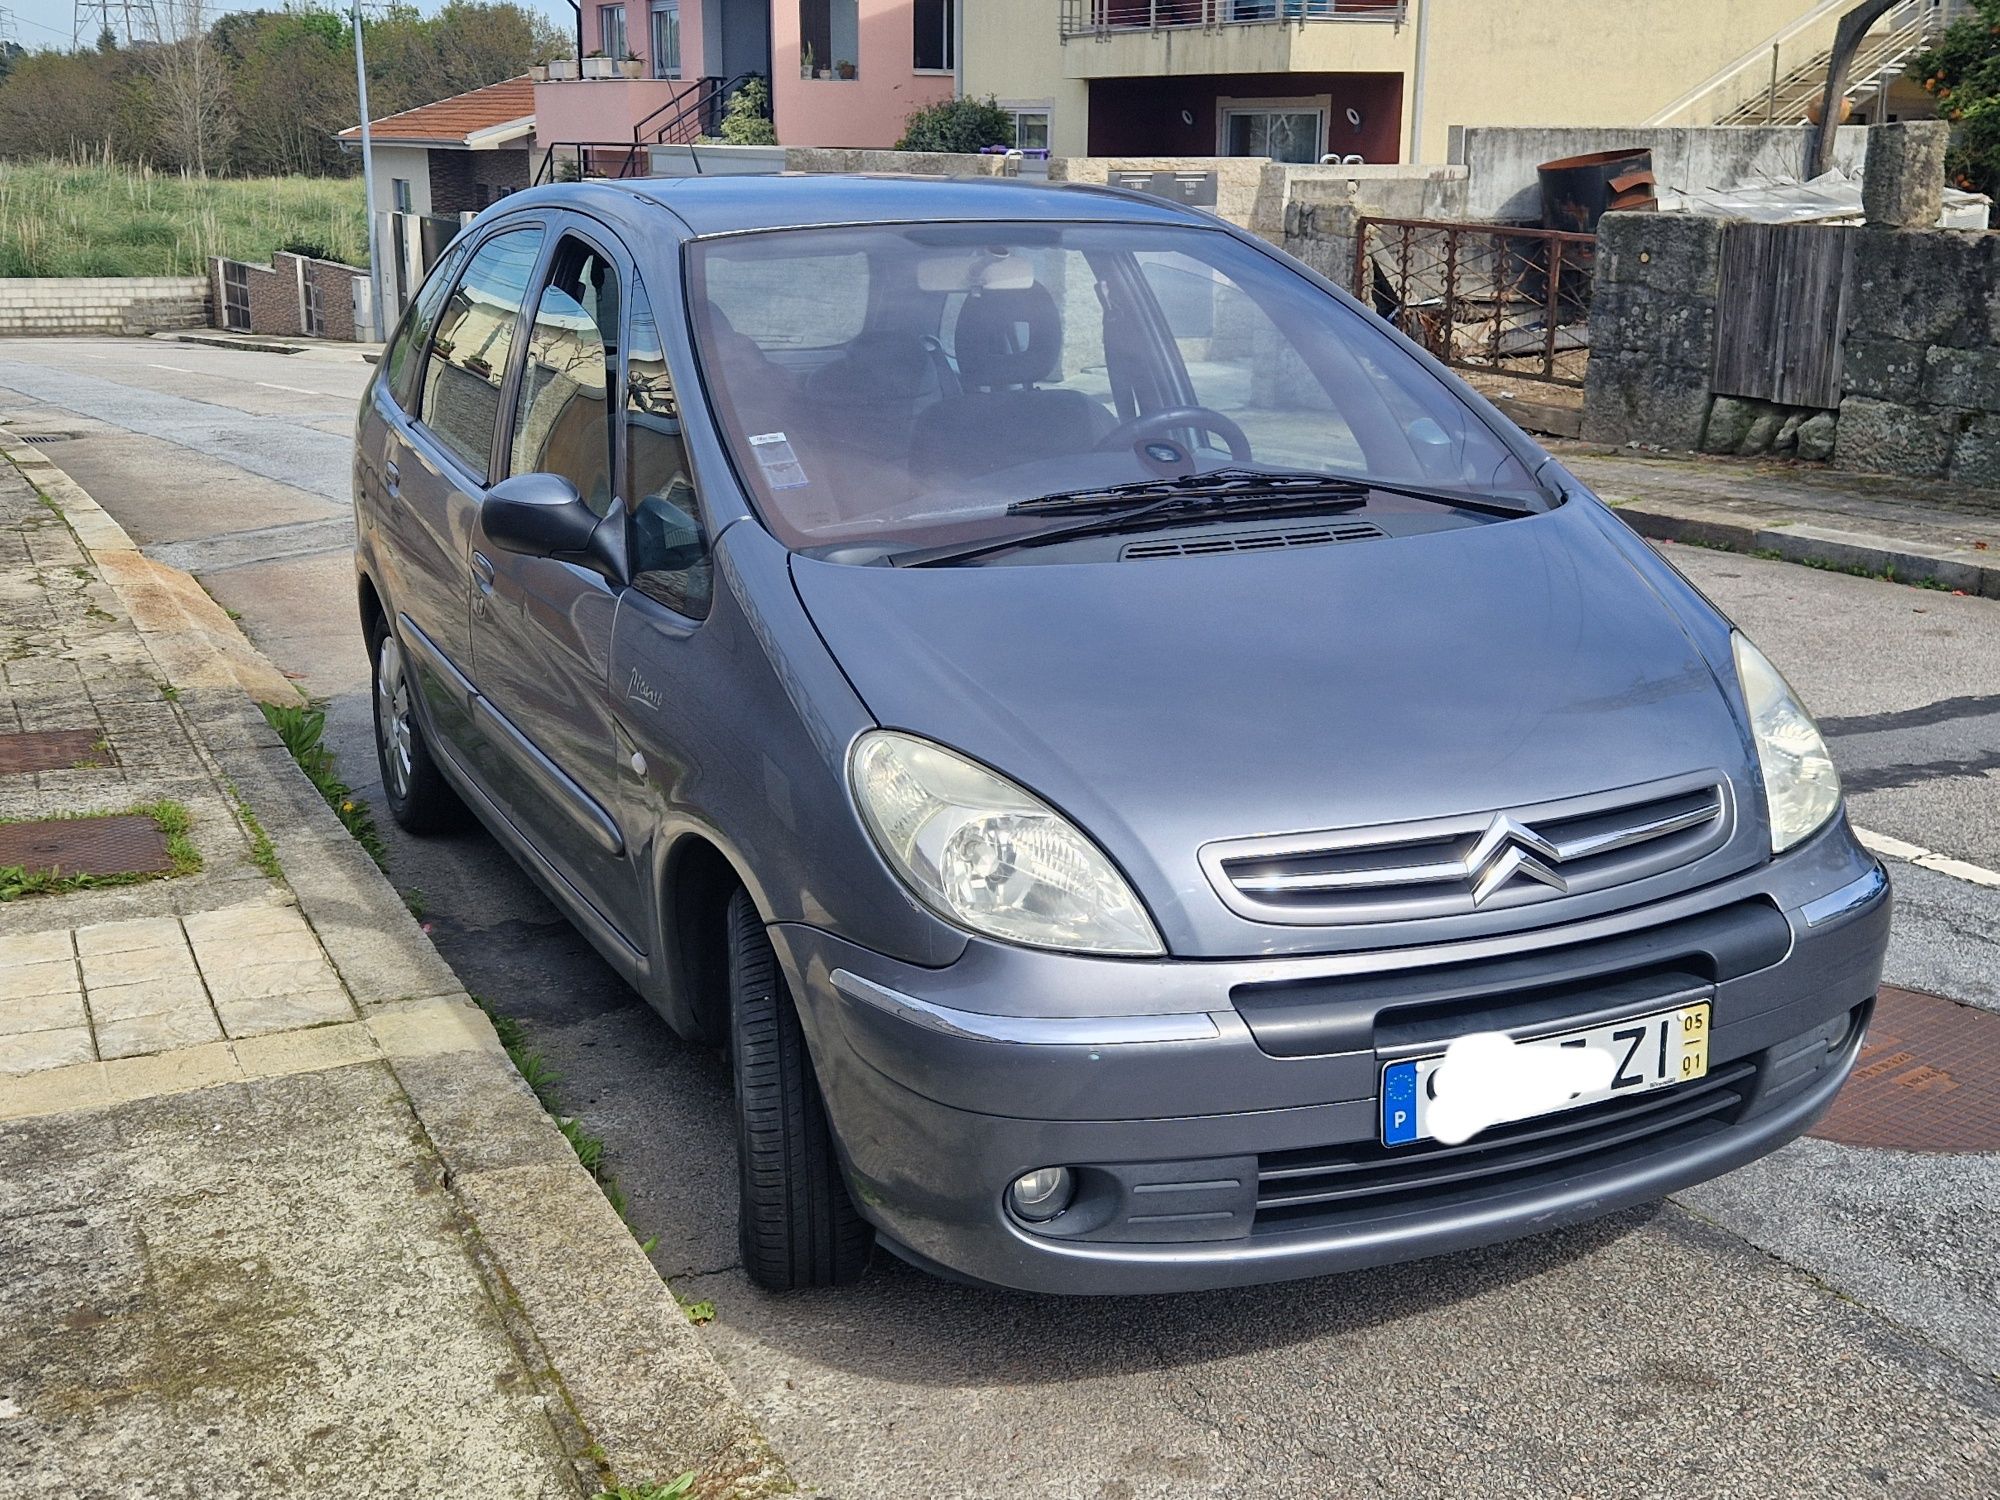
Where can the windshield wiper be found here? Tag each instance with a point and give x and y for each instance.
(1244, 492)
(1134, 513)
(1214, 484)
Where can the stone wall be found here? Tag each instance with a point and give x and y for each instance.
(1652, 329)
(101, 304)
(1921, 373)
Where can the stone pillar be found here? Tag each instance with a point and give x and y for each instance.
(1902, 186)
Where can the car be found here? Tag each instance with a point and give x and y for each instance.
(1154, 783)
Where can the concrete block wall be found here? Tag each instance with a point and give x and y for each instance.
(1323, 203)
(101, 304)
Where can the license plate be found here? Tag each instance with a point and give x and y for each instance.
(1651, 1052)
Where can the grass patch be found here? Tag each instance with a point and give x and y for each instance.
(542, 1079)
(168, 691)
(673, 1489)
(1823, 564)
(65, 219)
(172, 819)
(303, 729)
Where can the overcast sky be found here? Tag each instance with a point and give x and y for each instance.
(46, 23)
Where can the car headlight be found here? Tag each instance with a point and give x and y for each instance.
(987, 855)
(1801, 787)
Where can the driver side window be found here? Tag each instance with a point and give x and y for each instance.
(669, 547)
(562, 423)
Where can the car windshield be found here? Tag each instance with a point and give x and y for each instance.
(902, 384)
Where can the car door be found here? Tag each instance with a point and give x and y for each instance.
(437, 468)
(542, 625)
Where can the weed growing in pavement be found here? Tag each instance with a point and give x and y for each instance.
(172, 820)
(673, 1489)
(261, 853)
(414, 900)
(168, 691)
(1823, 564)
(542, 1080)
(303, 729)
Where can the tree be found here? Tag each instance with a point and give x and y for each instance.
(1963, 74)
(191, 94)
(957, 125)
(747, 121)
(73, 105)
(294, 90)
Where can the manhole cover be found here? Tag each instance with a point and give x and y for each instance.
(1927, 1080)
(127, 844)
(50, 750)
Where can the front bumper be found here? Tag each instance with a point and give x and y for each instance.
(1222, 1117)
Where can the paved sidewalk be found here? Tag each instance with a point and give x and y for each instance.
(1915, 531)
(277, 1217)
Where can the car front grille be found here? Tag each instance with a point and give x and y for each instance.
(1328, 1186)
(1451, 866)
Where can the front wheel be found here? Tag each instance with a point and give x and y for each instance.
(419, 798)
(796, 1224)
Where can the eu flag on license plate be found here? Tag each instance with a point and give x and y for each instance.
(1399, 1104)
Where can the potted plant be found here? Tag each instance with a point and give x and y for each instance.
(628, 65)
(597, 65)
(806, 61)
(844, 68)
(539, 70)
(561, 69)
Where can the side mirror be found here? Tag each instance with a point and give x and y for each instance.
(537, 515)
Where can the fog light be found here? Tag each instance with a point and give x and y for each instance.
(1041, 1194)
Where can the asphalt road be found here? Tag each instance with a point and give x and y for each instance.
(1824, 1322)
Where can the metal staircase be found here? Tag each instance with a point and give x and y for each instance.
(1883, 55)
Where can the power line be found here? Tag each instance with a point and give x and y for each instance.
(128, 21)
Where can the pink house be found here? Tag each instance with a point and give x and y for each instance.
(842, 72)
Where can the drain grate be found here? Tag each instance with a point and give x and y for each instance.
(1927, 1080)
(50, 750)
(124, 844)
(47, 437)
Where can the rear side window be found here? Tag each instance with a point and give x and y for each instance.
(405, 357)
(562, 423)
(475, 335)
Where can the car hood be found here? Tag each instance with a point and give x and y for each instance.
(1168, 703)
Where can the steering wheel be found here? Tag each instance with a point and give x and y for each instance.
(1158, 424)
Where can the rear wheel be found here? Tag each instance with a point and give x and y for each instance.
(796, 1224)
(419, 797)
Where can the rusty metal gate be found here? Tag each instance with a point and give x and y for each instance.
(1512, 302)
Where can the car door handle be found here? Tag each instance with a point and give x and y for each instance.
(394, 476)
(482, 572)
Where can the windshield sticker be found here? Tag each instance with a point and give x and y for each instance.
(782, 470)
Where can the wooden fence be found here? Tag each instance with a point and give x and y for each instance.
(1781, 311)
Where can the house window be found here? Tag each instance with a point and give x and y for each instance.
(829, 38)
(935, 34)
(1281, 132)
(666, 38)
(399, 193)
(1031, 129)
(611, 30)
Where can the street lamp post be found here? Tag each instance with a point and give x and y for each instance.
(375, 310)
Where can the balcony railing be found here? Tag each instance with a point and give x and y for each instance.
(1103, 17)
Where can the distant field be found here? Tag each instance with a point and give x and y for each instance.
(57, 219)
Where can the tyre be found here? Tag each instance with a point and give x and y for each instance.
(796, 1224)
(419, 798)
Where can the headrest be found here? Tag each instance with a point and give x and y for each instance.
(1008, 338)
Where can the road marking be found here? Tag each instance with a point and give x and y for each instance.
(177, 369)
(297, 390)
(1929, 859)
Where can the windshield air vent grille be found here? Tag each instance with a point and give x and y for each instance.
(1442, 867)
(1251, 541)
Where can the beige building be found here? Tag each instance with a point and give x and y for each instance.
(1386, 80)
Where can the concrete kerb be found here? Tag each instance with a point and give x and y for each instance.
(591, 1315)
(1822, 546)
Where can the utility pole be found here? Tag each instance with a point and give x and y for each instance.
(375, 308)
(124, 19)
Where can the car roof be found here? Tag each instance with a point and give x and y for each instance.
(797, 200)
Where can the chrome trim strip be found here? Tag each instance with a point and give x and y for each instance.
(1854, 894)
(1659, 828)
(1043, 1031)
